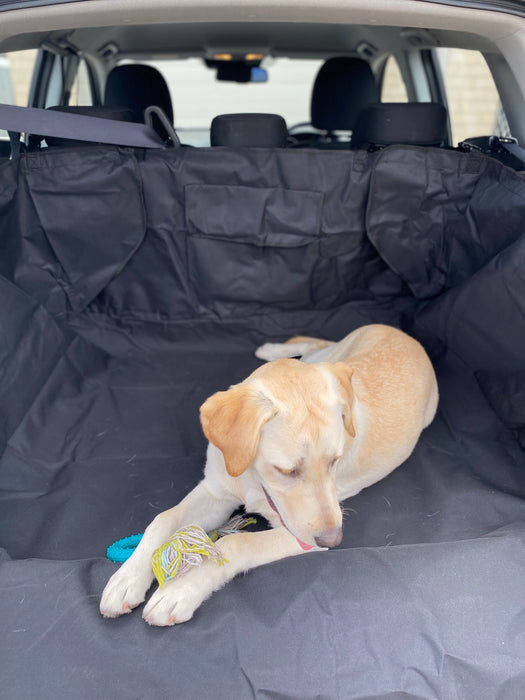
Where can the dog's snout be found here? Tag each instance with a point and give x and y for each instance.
(330, 538)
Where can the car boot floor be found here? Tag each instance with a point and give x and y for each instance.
(425, 589)
(114, 438)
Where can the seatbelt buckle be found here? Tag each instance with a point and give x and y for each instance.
(497, 143)
(467, 146)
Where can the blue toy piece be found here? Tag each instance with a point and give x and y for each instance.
(121, 550)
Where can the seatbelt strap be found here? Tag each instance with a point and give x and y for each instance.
(14, 139)
(493, 145)
(31, 120)
(510, 145)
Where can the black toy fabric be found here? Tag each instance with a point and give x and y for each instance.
(137, 283)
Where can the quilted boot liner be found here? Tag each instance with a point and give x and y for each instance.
(135, 284)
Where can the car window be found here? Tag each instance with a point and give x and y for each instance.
(473, 101)
(81, 93)
(16, 70)
(392, 85)
(198, 97)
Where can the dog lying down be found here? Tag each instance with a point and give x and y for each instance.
(289, 442)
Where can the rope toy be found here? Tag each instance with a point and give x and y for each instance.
(186, 548)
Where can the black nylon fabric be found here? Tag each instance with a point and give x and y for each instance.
(134, 285)
(454, 635)
(283, 230)
(437, 216)
(67, 236)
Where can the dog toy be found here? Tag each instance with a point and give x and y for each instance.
(186, 548)
(121, 550)
(234, 525)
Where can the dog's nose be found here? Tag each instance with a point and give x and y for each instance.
(330, 538)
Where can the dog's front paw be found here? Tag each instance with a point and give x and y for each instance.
(125, 590)
(177, 600)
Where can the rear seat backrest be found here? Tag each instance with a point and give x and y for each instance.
(249, 130)
(344, 85)
(115, 113)
(411, 123)
(137, 86)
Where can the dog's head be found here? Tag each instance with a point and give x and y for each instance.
(290, 422)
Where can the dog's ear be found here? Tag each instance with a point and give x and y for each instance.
(232, 420)
(343, 374)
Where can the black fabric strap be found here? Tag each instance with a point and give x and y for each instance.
(14, 139)
(509, 145)
(31, 120)
(496, 145)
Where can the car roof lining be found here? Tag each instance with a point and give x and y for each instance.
(298, 40)
(290, 27)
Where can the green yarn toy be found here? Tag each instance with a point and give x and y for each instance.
(187, 547)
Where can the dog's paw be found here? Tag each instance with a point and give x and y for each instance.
(125, 590)
(176, 600)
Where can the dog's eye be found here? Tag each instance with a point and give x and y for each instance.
(292, 473)
(333, 462)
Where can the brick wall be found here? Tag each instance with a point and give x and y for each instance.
(22, 63)
(473, 99)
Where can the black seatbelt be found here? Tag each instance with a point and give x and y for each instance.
(509, 145)
(506, 149)
(31, 120)
(14, 139)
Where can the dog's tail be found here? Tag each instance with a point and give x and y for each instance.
(312, 343)
(297, 346)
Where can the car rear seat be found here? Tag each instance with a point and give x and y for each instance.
(137, 87)
(249, 130)
(412, 124)
(342, 88)
(116, 113)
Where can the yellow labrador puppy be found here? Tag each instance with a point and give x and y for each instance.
(290, 442)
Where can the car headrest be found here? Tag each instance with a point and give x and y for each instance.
(256, 130)
(118, 114)
(137, 86)
(411, 123)
(343, 86)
